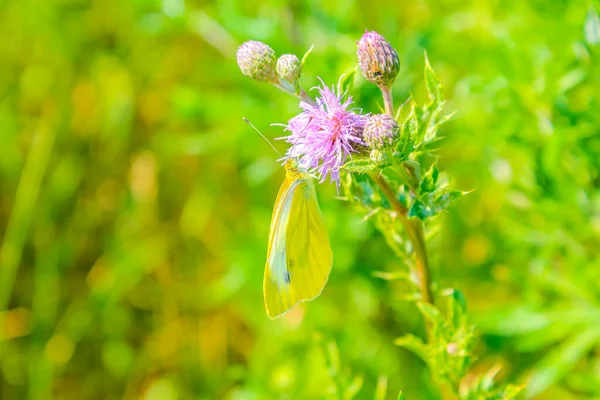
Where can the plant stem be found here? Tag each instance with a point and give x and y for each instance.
(306, 98)
(414, 229)
(300, 93)
(388, 101)
(22, 213)
(417, 235)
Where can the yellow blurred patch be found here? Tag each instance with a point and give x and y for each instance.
(100, 274)
(142, 176)
(168, 340)
(84, 101)
(212, 342)
(160, 389)
(59, 349)
(16, 323)
(476, 249)
(152, 106)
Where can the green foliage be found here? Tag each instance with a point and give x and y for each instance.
(360, 165)
(482, 388)
(347, 81)
(425, 195)
(449, 351)
(451, 339)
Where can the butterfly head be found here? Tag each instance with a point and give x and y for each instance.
(294, 170)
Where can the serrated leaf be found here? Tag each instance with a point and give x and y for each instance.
(367, 193)
(404, 147)
(420, 210)
(446, 118)
(399, 110)
(432, 120)
(385, 224)
(444, 200)
(347, 81)
(487, 379)
(360, 190)
(412, 164)
(305, 56)
(434, 86)
(482, 387)
(458, 298)
(457, 306)
(413, 344)
(430, 312)
(592, 27)
(429, 180)
(391, 174)
(411, 124)
(360, 166)
(430, 204)
(407, 296)
(412, 171)
(392, 276)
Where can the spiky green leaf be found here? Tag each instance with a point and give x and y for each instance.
(434, 85)
(347, 81)
(360, 165)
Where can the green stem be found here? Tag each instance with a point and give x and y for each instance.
(299, 93)
(414, 229)
(23, 210)
(417, 235)
(388, 101)
(306, 98)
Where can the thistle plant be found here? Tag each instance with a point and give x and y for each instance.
(325, 135)
(385, 165)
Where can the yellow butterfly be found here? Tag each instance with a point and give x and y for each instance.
(299, 258)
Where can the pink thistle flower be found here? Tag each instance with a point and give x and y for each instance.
(324, 135)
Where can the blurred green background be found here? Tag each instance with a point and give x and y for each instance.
(135, 203)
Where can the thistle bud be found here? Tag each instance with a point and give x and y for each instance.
(380, 158)
(288, 68)
(378, 60)
(257, 60)
(380, 131)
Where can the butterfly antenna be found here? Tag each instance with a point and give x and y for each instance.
(263, 136)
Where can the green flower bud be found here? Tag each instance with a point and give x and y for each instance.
(380, 131)
(289, 68)
(379, 157)
(257, 60)
(379, 62)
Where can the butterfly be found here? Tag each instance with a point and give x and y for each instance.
(299, 257)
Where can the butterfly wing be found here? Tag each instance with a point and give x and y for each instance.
(299, 258)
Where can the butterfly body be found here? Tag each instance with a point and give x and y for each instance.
(299, 257)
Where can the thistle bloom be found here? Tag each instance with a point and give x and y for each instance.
(379, 62)
(325, 134)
